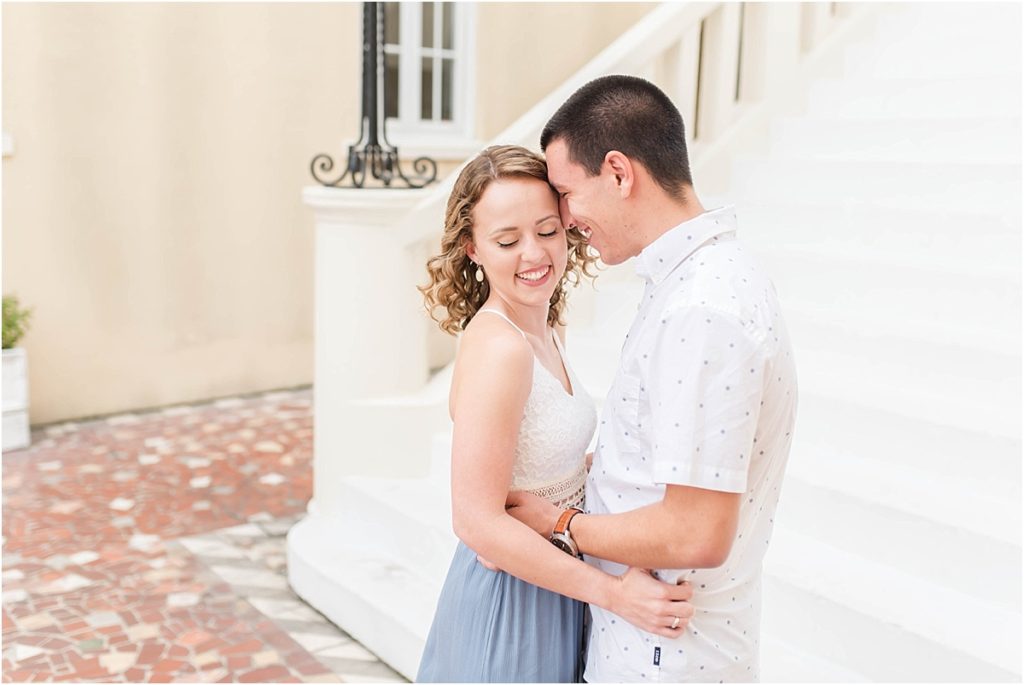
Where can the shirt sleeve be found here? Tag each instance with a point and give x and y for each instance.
(706, 383)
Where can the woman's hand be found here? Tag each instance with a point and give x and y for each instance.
(652, 605)
(590, 461)
(534, 511)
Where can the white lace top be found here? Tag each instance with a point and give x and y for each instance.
(553, 437)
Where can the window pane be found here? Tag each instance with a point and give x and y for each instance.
(390, 85)
(391, 23)
(448, 24)
(428, 24)
(446, 89)
(427, 89)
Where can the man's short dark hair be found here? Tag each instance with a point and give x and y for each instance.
(627, 114)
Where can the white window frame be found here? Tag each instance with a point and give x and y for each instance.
(412, 135)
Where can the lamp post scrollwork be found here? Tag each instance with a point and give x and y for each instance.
(372, 155)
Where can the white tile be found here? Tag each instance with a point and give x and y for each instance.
(72, 582)
(200, 482)
(253, 577)
(36, 621)
(314, 641)
(90, 468)
(117, 662)
(268, 446)
(13, 574)
(275, 608)
(84, 557)
(143, 542)
(272, 479)
(182, 599)
(68, 507)
(245, 530)
(196, 462)
(351, 650)
(142, 631)
(122, 504)
(22, 652)
(149, 459)
(209, 547)
(266, 658)
(98, 619)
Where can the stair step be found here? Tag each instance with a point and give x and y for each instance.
(892, 519)
(783, 662)
(996, 55)
(847, 431)
(913, 185)
(855, 378)
(865, 615)
(933, 25)
(973, 239)
(934, 140)
(384, 604)
(948, 96)
(932, 298)
(932, 366)
(413, 514)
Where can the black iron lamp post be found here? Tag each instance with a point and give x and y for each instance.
(372, 153)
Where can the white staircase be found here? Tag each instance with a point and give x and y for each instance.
(889, 217)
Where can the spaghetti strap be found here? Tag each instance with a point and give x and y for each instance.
(495, 311)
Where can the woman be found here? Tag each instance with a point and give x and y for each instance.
(522, 421)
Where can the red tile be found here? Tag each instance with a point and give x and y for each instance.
(238, 663)
(177, 651)
(134, 675)
(264, 674)
(150, 653)
(315, 668)
(168, 665)
(247, 647)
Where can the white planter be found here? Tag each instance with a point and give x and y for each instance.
(15, 399)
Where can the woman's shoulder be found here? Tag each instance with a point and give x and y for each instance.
(490, 337)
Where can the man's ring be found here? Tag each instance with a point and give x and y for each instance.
(675, 622)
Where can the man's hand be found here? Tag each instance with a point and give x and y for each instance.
(534, 511)
(653, 605)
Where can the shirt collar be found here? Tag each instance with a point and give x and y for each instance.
(658, 259)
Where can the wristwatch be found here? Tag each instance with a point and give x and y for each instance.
(561, 537)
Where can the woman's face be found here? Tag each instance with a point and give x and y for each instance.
(519, 240)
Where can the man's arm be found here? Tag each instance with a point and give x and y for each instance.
(703, 389)
(689, 528)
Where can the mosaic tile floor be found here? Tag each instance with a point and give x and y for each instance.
(150, 548)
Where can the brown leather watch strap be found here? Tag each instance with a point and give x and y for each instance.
(562, 525)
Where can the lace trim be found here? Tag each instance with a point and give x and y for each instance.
(565, 493)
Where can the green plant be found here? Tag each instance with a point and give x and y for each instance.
(15, 321)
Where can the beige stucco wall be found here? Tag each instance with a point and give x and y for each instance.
(526, 50)
(151, 211)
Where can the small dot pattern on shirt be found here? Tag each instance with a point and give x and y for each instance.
(706, 372)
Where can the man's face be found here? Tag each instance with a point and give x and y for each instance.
(589, 202)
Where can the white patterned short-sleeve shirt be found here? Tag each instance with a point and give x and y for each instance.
(705, 396)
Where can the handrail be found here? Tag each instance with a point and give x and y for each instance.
(631, 51)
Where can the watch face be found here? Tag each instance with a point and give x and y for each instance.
(563, 545)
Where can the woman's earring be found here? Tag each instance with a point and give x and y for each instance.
(479, 274)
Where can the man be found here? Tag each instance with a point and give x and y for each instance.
(696, 429)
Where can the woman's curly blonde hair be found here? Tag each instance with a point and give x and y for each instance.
(452, 286)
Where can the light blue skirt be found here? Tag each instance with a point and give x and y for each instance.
(493, 627)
